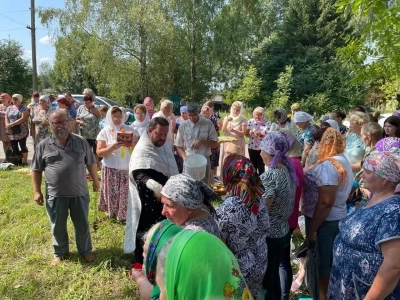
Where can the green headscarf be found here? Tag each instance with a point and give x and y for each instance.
(200, 266)
(161, 235)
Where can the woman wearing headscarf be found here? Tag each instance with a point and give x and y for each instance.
(283, 121)
(5, 101)
(142, 120)
(197, 265)
(40, 126)
(257, 128)
(285, 268)
(366, 257)
(327, 185)
(243, 219)
(279, 182)
(187, 203)
(235, 125)
(155, 239)
(16, 119)
(114, 174)
(305, 122)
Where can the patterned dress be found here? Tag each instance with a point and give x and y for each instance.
(246, 237)
(305, 137)
(15, 113)
(90, 129)
(3, 133)
(38, 117)
(357, 255)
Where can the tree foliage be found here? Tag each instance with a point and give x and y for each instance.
(15, 74)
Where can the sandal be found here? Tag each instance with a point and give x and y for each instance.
(89, 258)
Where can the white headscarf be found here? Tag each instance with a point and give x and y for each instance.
(109, 121)
(333, 124)
(301, 116)
(141, 127)
(239, 118)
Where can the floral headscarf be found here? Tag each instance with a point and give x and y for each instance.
(387, 144)
(188, 192)
(161, 235)
(240, 179)
(332, 143)
(385, 164)
(283, 115)
(276, 143)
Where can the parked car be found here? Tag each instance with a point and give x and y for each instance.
(383, 118)
(100, 100)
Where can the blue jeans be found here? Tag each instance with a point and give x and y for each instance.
(285, 271)
(78, 207)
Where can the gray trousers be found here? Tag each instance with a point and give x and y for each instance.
(78, 207)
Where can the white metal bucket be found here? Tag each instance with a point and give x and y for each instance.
(195, 165)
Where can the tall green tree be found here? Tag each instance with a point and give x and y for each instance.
(308, 38)
(375, 49)
(15, 74)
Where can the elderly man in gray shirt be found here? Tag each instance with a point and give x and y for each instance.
(64, 157)
(197, 135)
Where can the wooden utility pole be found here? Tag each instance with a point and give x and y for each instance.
(33, 38)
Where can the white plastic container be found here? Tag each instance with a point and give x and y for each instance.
(195, 165)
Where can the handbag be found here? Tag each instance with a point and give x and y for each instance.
(16, 129)
(312, 270)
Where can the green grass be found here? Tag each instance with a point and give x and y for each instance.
(26, 252)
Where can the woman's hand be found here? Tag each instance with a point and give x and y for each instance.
(8, 126)
(137, 275)
(116, 146)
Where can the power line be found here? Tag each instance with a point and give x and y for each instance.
(13, 29)
(15, 11)
(11, 19)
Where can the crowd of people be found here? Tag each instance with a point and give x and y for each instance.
(344, 181)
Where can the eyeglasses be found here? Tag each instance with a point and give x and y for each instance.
(117, 117)
(140, 115)
(59, 123)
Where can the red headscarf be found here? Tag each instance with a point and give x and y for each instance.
(240, 179)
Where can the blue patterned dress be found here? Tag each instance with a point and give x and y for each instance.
(356, 252)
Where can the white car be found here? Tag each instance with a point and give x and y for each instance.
(100, 101)
(383, 118)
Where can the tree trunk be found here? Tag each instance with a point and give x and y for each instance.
(144, 83)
